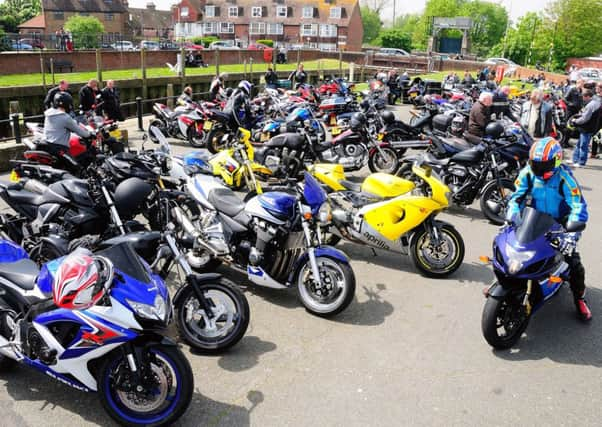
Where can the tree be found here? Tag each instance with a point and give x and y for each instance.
(14, 12)
(372, 24)
(86, 31)
(489, 22)
(434, 8)
(577, 24)
(396, 38)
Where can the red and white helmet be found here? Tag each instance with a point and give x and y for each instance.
(81, 281)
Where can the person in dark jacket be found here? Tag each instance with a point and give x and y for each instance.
(479, 118)
(217, 87)
(239, 106)
(62, 87)
(298, 76)
(468, 79)
(588, 123)
(501, 104)
(87, 95)
(111, 104)
(573, 99)
(536, 116)
(271, 78)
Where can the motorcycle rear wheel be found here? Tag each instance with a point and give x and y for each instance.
(214, 139)
(426, 257)
(507, 313)
(491, 193)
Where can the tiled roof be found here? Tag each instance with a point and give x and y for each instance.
(151, 18)
(114, 6)
(35, 22)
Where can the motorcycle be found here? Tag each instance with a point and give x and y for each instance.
(383, 213)
(117, 347)
(529, 270)
(274, 238)
(185, 122)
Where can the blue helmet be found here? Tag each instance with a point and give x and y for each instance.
(545, 157)
(300, 114)
(245, 86)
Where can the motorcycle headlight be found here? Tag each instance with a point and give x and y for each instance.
(325, 213)
(157, 311)
(517, 259)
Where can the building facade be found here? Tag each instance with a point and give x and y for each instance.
(150, 22)
(112, 13)
(328, 25)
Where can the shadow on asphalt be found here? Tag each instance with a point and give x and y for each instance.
(555, 333)
(466, 212)
(368, 313)
(24, 384)
(245, 355)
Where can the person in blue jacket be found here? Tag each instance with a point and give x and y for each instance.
(549, 186)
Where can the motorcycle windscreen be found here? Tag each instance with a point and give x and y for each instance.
(313, 193)
(533, 225)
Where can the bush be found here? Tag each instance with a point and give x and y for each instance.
(266, 42)
(395, 38)
(86, 31)
(205, 41)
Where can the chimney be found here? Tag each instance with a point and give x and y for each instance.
(150, 6)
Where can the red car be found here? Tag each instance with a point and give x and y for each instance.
(192, 46)
(35, 43)
(259, 46)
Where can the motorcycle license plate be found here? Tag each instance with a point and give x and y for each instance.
(333, 121)
(335, 131)
(207, 125)
(115, 134)
(14, 176)
(413, 95)
(380, 136)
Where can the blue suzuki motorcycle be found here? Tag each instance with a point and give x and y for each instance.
(117, 347)
(529, 270)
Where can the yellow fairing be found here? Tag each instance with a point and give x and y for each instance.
(386, 185)
(329, 174)
(439, 189)
(261, 169)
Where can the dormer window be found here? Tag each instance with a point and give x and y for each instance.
(308, 12)
(210, 11)
(256, 12)
(335, 12)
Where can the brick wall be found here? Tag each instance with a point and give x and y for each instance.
(584, 62)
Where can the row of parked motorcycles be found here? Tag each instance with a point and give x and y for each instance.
(156, 215)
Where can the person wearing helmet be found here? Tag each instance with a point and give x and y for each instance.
(239, 106)
(536, 116)
(186, 97)
(58, 124)
(549, 186)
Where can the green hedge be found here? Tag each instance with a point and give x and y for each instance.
(205, 41)
(266, 42)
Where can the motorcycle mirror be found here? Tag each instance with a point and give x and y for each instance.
(575, 226)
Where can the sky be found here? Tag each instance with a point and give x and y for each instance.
(517, 8)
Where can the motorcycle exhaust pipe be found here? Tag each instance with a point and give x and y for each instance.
(6, 350)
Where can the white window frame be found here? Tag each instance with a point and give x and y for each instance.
(233, 9)
(184, 12)
(210, 14)
(328, 30)
(327, 46)
(280, 9)
(338, 12)
(275, 28)
(256, 12)
(229, 28)
(260, 30)
(210, 27)
(313, 30)
(307, 12)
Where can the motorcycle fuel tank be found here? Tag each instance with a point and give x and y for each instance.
(386, 185)
(275, 207)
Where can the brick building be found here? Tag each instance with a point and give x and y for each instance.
(150, 22)
(322, 24)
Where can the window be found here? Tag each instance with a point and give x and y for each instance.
(210, 27)
(233, 11)
(84, 14)
(184, 11)
(257, 28)
(308, 12)
(256, 12)
(108, 16)
(210, 11)
(281, 11)
(59, 16)
(335, 12)
(227, 28)
(309, 29)
(327, 46)
(328, 30)
(276, 29)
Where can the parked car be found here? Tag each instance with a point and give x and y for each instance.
(258, 46)
(589, 74)
(123, 45)
(35, 43)
(168, 45)
(223, 45)
(511, 66)
(191, 46)
(388, 51)
(21, 46)
(149, 45)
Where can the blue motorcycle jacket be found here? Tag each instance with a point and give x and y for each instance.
(560, 196)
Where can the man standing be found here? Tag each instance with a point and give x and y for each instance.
(110, 98)
(62, 87)
(271, 78)
(573, 97)
(87, 95)
(587, 122)
(536, 116)
(299, 76)
(480, 116)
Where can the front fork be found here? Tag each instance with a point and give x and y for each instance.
(310, 250)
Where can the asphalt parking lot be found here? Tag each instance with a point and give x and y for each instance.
(407, 352)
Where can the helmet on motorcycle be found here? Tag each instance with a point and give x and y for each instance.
(357, 121)
(63, 100)
(245, 86)
(130, 195)
(494, 130)
(457, 125)
(388, 117)
(81, 281)
(299, 114)
(365, 104)
(545, 157)
(228, 92)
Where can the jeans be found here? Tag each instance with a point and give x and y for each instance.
(581, 149)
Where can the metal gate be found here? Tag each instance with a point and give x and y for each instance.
(450, 45)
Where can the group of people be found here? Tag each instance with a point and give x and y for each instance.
(63, 40)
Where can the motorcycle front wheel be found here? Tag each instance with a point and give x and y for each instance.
(157, 395)
(386, 160)
(214, 139)
(335, 293)
(228, 324)
(195, 138)
(437, 259)
(504, 321)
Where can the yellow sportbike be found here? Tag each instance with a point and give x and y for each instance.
(405, 223)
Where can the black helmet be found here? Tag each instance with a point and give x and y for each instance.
(64, 100)
(388, 117)
(494, 130)
(365, 104)
(358, 120)
(130, 195)
(228, 92)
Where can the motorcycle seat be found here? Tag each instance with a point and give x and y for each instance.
(474, 155)
(430, 159)
(22, 273)
(226, 201)
(33, 199)
(289, 140)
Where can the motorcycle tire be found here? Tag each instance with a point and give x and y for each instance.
(172, 371)
(378, 163)
(159, 124)
(232, 325)
(495, 316)
(425, 263)
(491, 192)
(308, 294)
(214, 139)
(195, 139)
